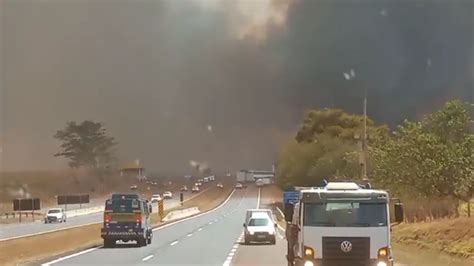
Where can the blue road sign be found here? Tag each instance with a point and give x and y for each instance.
(291, 197)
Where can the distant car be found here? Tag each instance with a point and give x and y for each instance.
(205, 179)
(198, 184)
(219, 185)
(55, 215)
(155, 198)
(184, 188)
(239, 186)
(228, 174)
(212, 178)
(167, 195)
(195, 189)
(133, 187)
(200, 180)
(260, 228)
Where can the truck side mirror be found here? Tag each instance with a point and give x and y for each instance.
(399, 212)
(289, 208)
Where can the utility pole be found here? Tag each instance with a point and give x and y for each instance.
(364, 138)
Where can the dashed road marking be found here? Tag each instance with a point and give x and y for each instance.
(174, 243)
(189, 235)
(210, 222)
(147, 258)
(200, 229)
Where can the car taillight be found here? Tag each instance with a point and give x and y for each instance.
(138, 218)
(107, 218)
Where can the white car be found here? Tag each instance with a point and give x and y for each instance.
(260, 228)
(195, 189)
(239, 186)
(133, 187)
(220, 185)
(55, 215)
(155, 198)
(167, 195)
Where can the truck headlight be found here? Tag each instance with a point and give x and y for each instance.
(383, 253)
(308, 253)
(251, 233)
(310, 263)
(382, 263)
(271, 232)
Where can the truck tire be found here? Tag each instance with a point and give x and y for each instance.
(109, 243)
(246, 241)
(142, 242)
(273, 241)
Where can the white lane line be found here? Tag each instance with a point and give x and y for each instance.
(200, 229)
(174, 243)
(189, 235)
(210, 223)
(195, 216)
(280, 211)
(70, 256)
(235, 246)
(156, 229)
(147, 258)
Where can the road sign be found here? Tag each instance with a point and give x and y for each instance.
(73, 199)
(291, 197)
(26, 204)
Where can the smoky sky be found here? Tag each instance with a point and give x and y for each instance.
(157, 73)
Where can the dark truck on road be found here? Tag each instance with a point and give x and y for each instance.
(126, 218)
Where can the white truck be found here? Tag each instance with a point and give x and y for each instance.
(259, 182)
(340, 224)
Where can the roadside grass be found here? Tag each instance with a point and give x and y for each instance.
(451, 236)
(31, 250)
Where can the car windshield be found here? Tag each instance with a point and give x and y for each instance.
(345, 214)
(259, 222)
(54, 211)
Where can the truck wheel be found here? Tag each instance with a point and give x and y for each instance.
(141, 242)
(273, 241)
(109, 243)
(246, 241)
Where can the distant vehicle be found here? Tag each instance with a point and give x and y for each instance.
(184, 188)
(198, 184)
(228, 174)
(260, 228)
(155, 198)
(195, 189)
(167, 195)
(212, 178)
(220, 185)
(127, 219)
(259, 183)
(55, 215)
(205, 179)
(239, 186)
(133, 187)
(154, 183)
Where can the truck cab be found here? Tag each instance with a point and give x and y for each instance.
(127, 218)
(340, 224)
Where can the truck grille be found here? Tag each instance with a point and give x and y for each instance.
(346, 248)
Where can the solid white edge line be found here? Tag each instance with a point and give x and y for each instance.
(49, 231)
(70, 256)
(156, 229)
(280, 211)
(148, 257)
(258, 198)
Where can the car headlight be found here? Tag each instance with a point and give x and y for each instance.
(271, 232)
(382, 263)
(308, 263)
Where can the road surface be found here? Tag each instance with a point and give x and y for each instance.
(8, 231)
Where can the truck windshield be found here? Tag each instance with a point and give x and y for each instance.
(345, 214)
(122, 205)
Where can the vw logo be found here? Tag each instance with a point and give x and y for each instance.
(346, 246)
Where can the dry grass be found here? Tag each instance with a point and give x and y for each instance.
(452, 236)
(30, 249)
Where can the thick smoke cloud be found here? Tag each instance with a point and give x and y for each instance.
(158, 73)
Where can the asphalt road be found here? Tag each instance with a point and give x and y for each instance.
(203, 240)
(23, 229)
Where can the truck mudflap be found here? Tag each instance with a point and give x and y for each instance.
(107, 233)
(332, 262)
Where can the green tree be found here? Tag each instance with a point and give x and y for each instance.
(433, 156)
(86, 145)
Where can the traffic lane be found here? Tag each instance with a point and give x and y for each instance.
(212, 244)
(163, 238)
(24, 229)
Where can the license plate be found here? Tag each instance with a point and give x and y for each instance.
(260, 236)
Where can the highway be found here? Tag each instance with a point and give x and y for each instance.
(16, 230)
(207, 239)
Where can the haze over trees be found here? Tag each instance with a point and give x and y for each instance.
(86, 144)
(430, 159)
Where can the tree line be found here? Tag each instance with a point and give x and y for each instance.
(431, 158)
